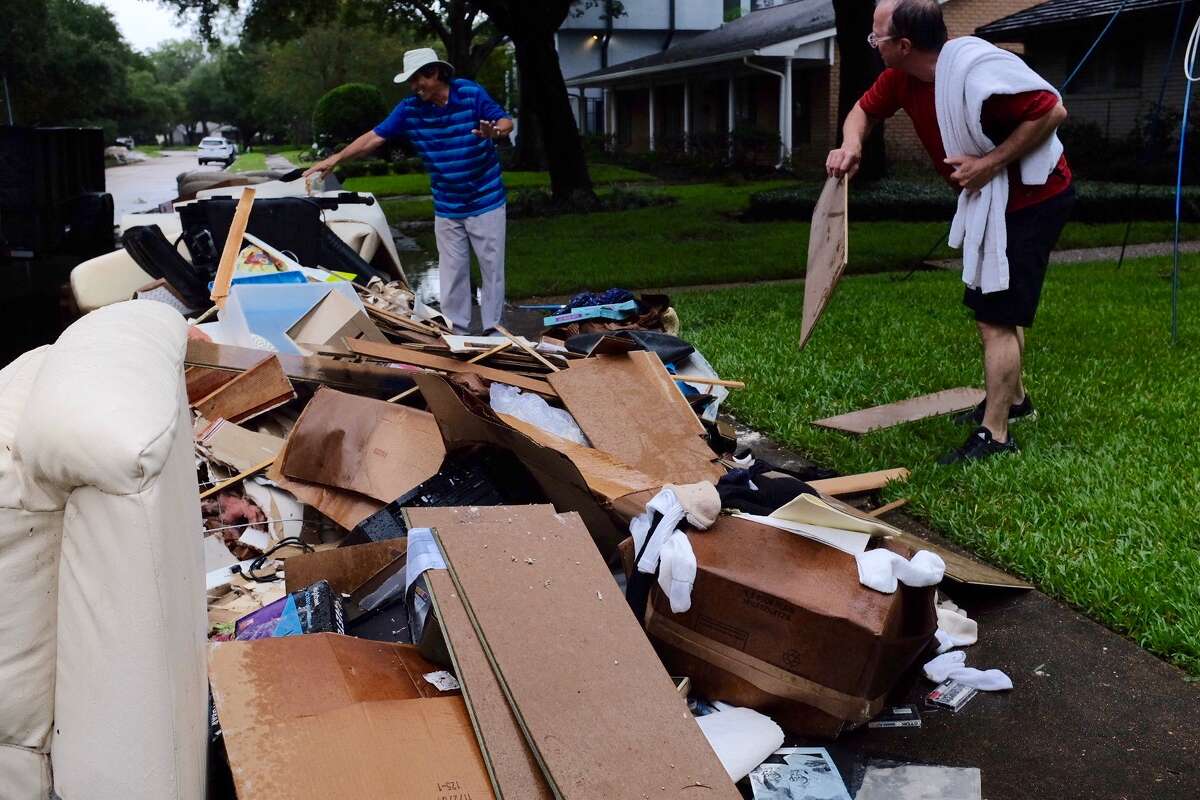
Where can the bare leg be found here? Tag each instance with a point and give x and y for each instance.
(1020, 395)
(1002, 374)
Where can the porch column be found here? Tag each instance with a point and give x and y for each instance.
(609, 127)
(687, 115)
(729, 116)
(786, 119)
(653, 126)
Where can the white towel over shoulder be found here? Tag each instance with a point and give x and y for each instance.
(969, 71)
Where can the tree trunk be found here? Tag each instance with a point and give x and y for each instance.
(860, 66)
(537, 58)
(528, 155)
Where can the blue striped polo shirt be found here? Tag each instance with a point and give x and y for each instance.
(464, 171)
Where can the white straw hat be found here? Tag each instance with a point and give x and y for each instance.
(421, 57)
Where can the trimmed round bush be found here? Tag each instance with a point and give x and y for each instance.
(346, 112)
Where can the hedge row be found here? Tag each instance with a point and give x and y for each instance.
(923, 202)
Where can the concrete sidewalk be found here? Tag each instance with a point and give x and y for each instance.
(1086, 254)
(1091, 715)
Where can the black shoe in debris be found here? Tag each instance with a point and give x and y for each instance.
(980, 445)
(1023, 410)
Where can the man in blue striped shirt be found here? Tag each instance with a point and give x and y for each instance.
(452, 122)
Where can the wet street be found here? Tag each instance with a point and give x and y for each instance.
(142, 186)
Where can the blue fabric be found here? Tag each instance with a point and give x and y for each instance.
(464, 171)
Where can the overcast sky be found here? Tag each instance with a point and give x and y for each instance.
(145, 23)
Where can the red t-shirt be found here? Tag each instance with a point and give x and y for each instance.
(895, 90)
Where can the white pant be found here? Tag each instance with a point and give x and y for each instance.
(485, 234)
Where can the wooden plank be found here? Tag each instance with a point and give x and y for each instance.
(201, 382)
(406, 355)
(628, 406)
(369, 379)
(521, 344)
(239, 477)
(828, 248)
(892, 414)
(578, 664)
(863, 482)
(233, 245)
(514, 770)
(258, 389)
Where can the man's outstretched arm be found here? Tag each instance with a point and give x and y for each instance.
(369, 142)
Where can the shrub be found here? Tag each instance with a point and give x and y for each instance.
(540, 203)
(915, 201)
(345, 112)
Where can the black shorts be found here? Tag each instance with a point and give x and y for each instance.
(1032, 234)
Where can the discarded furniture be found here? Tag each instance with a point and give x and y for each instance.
(102, 658)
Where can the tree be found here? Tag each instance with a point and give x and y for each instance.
(154, 107)
(531, 24)
(861, 65)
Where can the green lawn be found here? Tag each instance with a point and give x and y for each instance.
(699, 240)
(1099, 510)
(417, 183)
(247, 162)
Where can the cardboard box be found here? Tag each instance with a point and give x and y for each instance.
(781, 624)
(338, 718)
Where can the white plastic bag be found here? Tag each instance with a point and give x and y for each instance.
(536, 411)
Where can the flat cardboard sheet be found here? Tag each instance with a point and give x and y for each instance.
(417, 358)
(333, 319)
(257, 390)
(605, 475)
(346, 568)
(345, 508)
(628, 406)
(359, 378)
(235, 446)
(340, 718)
(963, 569)
(828, 252)
(596, 706)
(849, 542)
(359, 444)
(513, 768)
(886, 416)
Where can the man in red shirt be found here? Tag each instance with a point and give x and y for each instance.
(909, 35)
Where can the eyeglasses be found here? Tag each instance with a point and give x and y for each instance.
(874, 40)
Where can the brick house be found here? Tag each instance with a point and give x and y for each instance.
(1122, 80)
(775, 68)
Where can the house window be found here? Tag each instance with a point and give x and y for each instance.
(1116, 66)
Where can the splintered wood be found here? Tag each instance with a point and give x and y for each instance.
(828, 248)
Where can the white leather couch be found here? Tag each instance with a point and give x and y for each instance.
(103, 693)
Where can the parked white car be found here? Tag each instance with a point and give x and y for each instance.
(214, 148)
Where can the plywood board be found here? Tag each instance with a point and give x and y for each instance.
(334, 318)
(962, 569)
(417, 358)
(593, 700)
(514, 770)
(371, 379)
(828, 248)
(341, 718)
(628, 406)
(916, 408)
(371, 447)
(257, 390)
